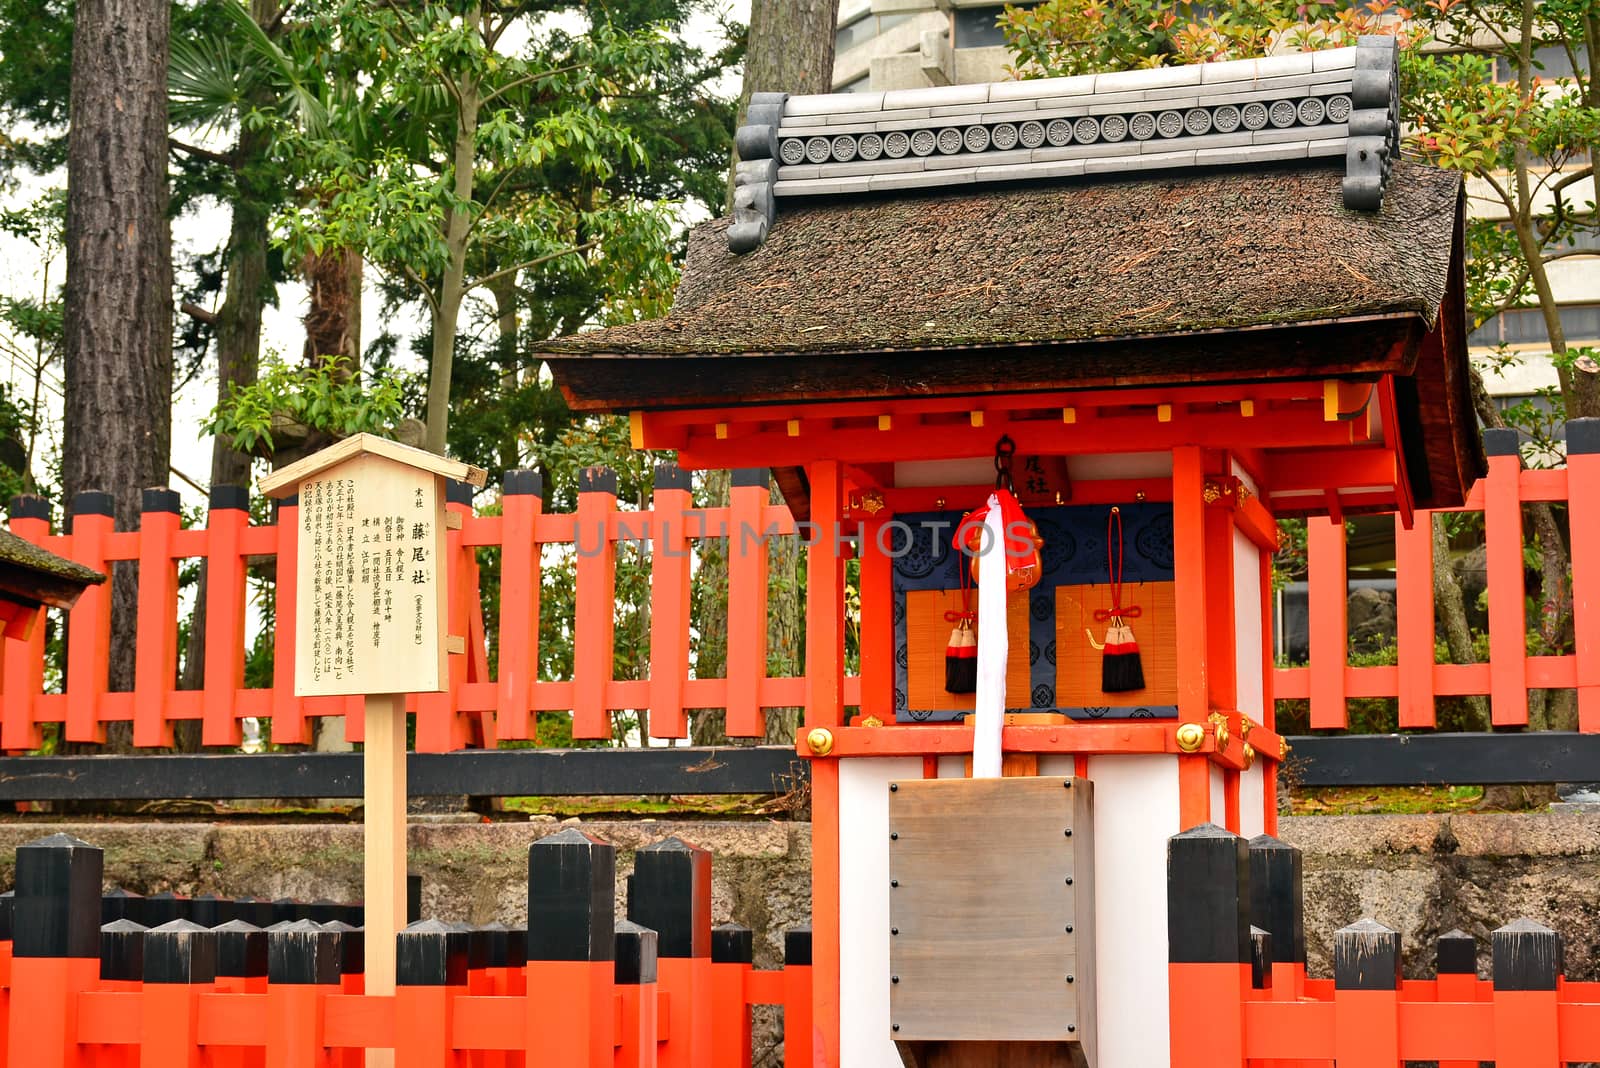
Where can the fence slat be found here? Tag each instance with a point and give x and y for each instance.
(225, 604)
(1583, 514)
(593, 653)
(1366, 995)
(23, 676)
(156, 648)
(669, 604)
(522, 497)
(89, 635)
(288, 712)
(1413, 569)
(747, 602)
(1508, 630)
(1527, 973)
(1328, 595)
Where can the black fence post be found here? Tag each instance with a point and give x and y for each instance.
(1208, 936)
(1527, 956)
(1260, 959)
(1457, 954)
(430, 967)
(120, 904)
(1277, 902)
(122, 951)
(732, 954)
(1366, 956)
(55, 946)
(571, 944)
(302, 953)
(635, 976)
(670, 893)
(180, 952)
(241, 953)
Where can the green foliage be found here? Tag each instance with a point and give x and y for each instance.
(326, 396)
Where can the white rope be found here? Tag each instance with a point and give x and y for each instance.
(990, 706)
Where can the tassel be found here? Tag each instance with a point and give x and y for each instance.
(1120, 667)
(961, 655)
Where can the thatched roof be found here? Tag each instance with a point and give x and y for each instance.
(1065, 262)
(30, 575)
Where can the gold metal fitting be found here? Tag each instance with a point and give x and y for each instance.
(872, 502)
(1283, 748)
(871, 721)
(820, 741)
(1249, 754)
(1222, 736)
(1245, 727)
(1190, 736)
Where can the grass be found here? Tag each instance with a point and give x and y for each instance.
(1348, 801)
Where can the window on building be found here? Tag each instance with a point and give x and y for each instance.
(860, 30)
(1549, 62)
(978, 27)
(1525, 326)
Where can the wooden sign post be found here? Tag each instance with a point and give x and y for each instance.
(369, 620)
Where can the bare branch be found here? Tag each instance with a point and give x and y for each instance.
(194, 311)
(200, 153)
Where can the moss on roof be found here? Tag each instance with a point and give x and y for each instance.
(1145, 255)
(21, 553)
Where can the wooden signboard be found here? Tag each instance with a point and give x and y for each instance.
(371, 610)
(369, 619)
(991, 903)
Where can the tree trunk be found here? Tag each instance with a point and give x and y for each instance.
(452, 287)
(117, 431)
(333, 313)
(238, 357)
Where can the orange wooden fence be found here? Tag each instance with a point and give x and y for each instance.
(575, 988)
(1239, 995)
(478, 709)
(1416, 680)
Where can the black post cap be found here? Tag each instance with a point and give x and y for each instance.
(431, 953)
(57, 910)
(164, 908)
(732, 943)
(413, 898)
(226, 498)
(522, 482)
(497, 945)
(122, 950)
(1260, 959)
(1500, 441)
(1458, 953)
(180, 952)
(1208, 897)
(457, 492)
(208, 910)
(672, 477)
(744, 477)
(288, 908)
(671, 895)
(120, 904)
(636, 955)
(303, 953)
(8, 914)
(1277, 898)
(241, 949)
(29, 506)
(92, 502)
(159, 499)
(571, 880)
(597, 479)
(252, 911)
(1583, 436)
(352, 947)
(323, 910)
(1366, 956)
(291, 500)
(797, 946)
(477, 946)
(1527, 956)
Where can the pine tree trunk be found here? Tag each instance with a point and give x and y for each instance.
(117, 432)
(333, 312)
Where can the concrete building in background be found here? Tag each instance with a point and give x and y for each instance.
(911, 44)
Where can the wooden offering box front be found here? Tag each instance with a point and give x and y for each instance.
(991, 945)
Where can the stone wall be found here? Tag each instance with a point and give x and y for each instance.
(1422, 875)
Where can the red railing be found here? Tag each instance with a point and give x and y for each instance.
(479, 708)
(587, 992)
(1415, 680)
